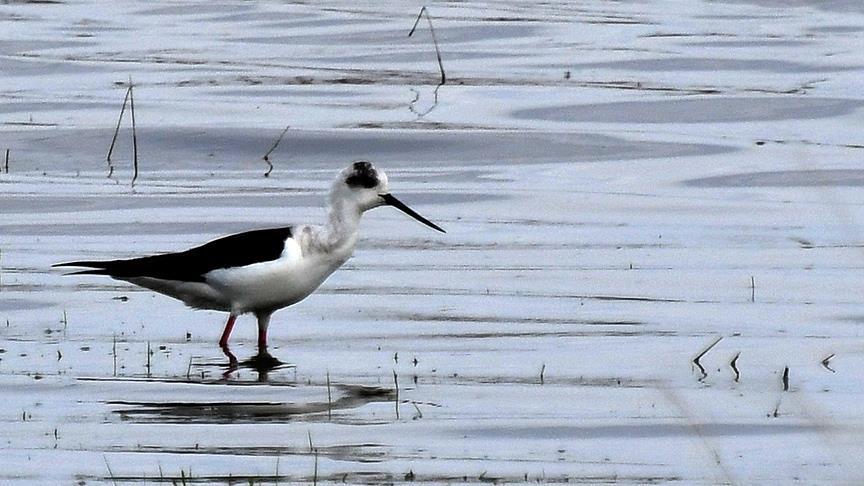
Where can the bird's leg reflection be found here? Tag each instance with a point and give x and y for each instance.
(263, 362)
(232, 361)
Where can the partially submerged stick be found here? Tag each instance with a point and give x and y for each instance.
(110, 472)
(826, 362)
(329, 398)
(134, 134)
(117, 130)
(703, 353)
(128, 98)
(734, 365)
(434, 39)
(272, 148)
(396, 384)
(114, 352)
(6, 165)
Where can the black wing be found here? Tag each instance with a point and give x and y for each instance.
(230, 251)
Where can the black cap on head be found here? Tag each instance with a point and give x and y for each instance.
(364, 175)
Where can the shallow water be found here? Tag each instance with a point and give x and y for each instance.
(622, 184)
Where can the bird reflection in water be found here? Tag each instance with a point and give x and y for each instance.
(262, 363)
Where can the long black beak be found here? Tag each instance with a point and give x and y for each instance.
(391, 200)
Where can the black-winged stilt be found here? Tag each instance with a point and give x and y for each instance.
(264, 270)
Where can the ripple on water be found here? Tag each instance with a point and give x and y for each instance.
(784, 178)
(697, 110)
(209, 148)
(687, 64)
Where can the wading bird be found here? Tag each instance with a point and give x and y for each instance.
(264, 270)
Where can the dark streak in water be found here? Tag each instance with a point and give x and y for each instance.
(697, 110)
(645, 430)
(178, 149)
(784, 178)
(708, 65)
(362, 453)
(381, 290)
(508, 320)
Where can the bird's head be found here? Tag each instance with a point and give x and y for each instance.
(367, 188)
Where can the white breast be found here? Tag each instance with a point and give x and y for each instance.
(277, 283)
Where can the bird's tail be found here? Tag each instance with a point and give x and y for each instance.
(96, 267)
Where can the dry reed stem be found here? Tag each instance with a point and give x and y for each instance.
(329, 398)
(434, 40)
(703, 353)
(117, 131)
(396, 384)
(134, 135)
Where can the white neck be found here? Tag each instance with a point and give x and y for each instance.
(343, 222)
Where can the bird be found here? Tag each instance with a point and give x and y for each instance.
(262, 270)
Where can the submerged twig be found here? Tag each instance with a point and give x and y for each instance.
(825, 363)
(752, 288)
(434, 39)
(6, 165)
(412, 106)
(542, 371)
(786, 379)
(703, 353)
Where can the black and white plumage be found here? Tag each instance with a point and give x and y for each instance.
(263, 270)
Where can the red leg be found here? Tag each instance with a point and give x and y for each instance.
(263, 323)
(262, 338)
(229, 326)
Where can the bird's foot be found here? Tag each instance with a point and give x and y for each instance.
(263, 361)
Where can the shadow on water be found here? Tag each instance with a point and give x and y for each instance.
(234, 412)
(224, 412)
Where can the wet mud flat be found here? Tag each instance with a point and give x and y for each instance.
(651, 272)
